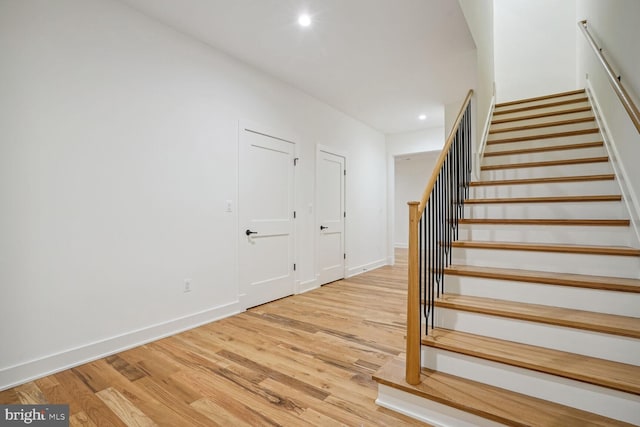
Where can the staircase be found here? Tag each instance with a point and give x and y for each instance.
(540, 321)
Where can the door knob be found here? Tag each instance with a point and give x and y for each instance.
(322, 227)
(249, 232)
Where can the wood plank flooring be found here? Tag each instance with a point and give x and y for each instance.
(301, 360)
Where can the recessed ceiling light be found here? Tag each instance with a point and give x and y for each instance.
(422, 117)
(304, 20)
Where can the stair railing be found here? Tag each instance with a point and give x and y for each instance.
(433, 225)
(623, 95)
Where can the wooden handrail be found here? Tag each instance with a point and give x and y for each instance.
(443, 154)
(416, 209)
(626, 100)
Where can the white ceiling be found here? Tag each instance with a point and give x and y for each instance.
(383, 62)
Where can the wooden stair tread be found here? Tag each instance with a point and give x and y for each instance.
(543, 136)
(546, 222)
(540, 98)
(570, 318)
(545, 149)
(546, 163)
(547, 105)
(542, 115)
(548, 247)
(605, 373)
(544, 125)
(556, 179)
(548, 199)
(487, 401)
(563, 279)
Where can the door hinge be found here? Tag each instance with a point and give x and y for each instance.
(344, 256)
(294, 214)
(345, 172)
(344, 215)
(294, 267)
(295, 161)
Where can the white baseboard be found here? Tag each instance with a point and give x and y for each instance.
(484, 137)
(308, 285)
(401, 245)
(354, 271)
(28, 371)
(629, 197)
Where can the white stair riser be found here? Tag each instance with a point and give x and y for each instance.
(543, 142)
(577, 235)
(562, 210)
(546, 156)
(600, 400)
(541, 102)
(578, 188)
(537, 110)
(595, 168)
(428, 411)
(544, 130)
(597, 300)
(597, 265)
(541, 120)
(593, 344)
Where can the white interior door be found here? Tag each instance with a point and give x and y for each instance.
(330, 215)
(265, 218)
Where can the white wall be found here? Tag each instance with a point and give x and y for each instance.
(415, 142)
(614, 26)
(118, 149)
(431, 139)
(534, 47)
(450, 115)
(412, 173)
(479, 16)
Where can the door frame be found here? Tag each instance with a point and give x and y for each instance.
(284, 135)
(335, 152)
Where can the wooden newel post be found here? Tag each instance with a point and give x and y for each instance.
(413, 300)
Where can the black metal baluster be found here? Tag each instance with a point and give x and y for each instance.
(439, 221)
(421, 275)
(439, 225)
(431, 259)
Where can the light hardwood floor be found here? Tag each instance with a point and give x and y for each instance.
(302, 360)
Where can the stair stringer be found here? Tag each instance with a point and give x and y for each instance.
(630, 198)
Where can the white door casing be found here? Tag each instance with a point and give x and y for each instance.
(266, 205)
(330, 215)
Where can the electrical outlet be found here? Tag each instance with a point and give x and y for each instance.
(187, 286)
